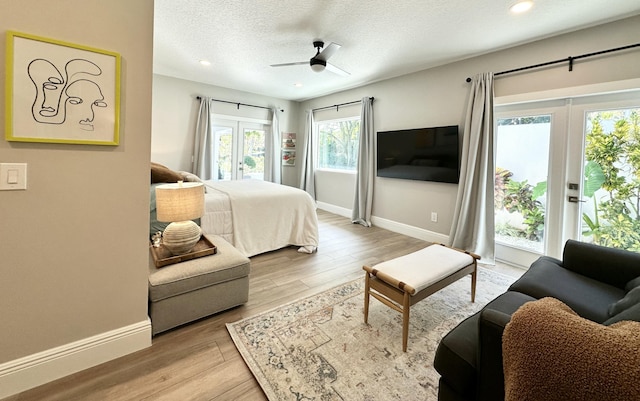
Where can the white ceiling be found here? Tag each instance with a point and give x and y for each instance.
(380, 38)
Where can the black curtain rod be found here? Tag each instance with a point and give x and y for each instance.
(239, 104)
(569, 59)
(337, 106)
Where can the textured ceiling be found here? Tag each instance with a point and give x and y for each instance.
(380, 38)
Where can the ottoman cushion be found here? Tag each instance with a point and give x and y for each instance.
(227, 264)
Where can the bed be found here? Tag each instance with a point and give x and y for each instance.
(259, 216)
(255, 216)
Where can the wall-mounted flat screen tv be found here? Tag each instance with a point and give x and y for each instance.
(426, 154)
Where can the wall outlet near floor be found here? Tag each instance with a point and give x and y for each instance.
(434, 217)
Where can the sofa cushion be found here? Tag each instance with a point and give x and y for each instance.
(632, 298)
(172, 280)
(550, 353)
(632, 313)
(457, 353)
(587, 297)
(608, 265)
(632, 284)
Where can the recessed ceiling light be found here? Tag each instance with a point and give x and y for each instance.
(205, 62)
(521, 6)
(298, 85)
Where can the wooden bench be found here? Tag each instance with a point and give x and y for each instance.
(404, 281)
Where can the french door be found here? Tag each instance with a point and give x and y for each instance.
(238, 151)
(567, 169)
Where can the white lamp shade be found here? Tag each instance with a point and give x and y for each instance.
(180, 201)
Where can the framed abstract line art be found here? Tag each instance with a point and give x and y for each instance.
(59, 92)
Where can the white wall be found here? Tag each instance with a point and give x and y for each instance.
(73, 246)
(438, 96)
(175, 110)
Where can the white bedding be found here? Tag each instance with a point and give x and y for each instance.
(258, 216)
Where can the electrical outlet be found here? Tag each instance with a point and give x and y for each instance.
(434, 217)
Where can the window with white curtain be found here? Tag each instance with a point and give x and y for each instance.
(338, 143)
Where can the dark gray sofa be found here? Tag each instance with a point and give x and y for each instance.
(596, 282)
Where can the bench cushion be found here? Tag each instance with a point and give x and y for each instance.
(422, 268)
(226, 265)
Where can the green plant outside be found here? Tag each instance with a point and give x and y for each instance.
(612, 179)
(520, 197)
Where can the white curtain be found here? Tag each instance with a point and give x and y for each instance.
(473, 227)
(307, 179)
(203, 144)
(361, 212)
(272, 162)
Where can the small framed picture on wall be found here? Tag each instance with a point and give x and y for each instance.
(288, 157)
(289, 141)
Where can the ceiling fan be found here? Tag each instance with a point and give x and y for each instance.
(319, 62)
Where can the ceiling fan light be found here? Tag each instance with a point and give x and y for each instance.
(317, 65)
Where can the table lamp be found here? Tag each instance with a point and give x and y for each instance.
(178, 204)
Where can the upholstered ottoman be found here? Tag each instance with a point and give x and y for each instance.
(186, 291)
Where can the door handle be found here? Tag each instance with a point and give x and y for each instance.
(575, 199)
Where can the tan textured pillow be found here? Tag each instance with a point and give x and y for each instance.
(550, 353)
(160, 173)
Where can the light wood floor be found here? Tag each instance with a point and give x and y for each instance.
(199, 361)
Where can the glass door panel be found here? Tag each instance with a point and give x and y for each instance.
(253, 153)
(223, 152)
(529, 181)
(520, 193)
(610, 200)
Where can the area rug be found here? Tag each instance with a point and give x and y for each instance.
(318, 348)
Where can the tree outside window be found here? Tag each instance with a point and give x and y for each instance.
(338, 144)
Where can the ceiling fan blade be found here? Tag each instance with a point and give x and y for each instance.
(288, 64)
(337, 70)
(328, 51)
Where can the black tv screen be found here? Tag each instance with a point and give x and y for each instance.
(426, 154)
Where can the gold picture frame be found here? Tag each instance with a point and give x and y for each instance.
(60, 92)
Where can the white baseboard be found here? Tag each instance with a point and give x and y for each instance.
(340, 211)
(34, 370)
(411, 231)
(390, 225)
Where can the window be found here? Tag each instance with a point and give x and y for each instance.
(338, 143)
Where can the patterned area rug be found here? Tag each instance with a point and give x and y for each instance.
(318, 348)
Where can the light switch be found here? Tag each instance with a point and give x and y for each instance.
(13, 176)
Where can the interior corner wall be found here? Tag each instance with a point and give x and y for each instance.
(175, 111)
(438, 96)
(73, 245)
